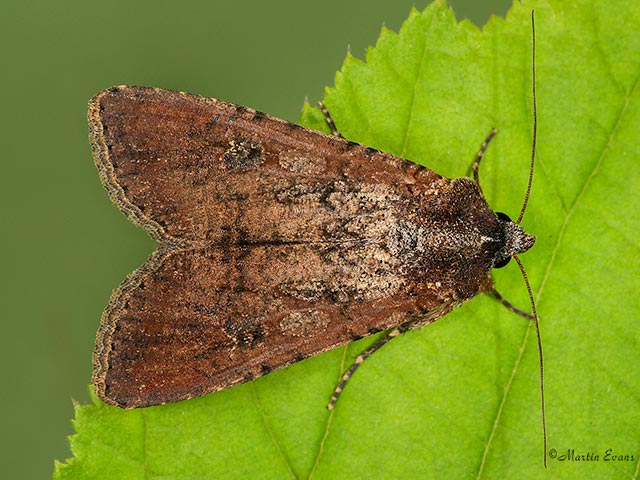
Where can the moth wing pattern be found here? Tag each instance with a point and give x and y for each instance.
(191, 168)
(276, 243)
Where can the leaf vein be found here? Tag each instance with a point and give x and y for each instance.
(270, 431)
(409, 121)
(587, 183)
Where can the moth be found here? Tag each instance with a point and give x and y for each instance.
(275, 243)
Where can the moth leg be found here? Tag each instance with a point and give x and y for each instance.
(358, 361)
(416, 322)
(479, 155)
(329, 120)
(509, 306)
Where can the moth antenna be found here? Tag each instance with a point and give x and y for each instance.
(524, 206)
(535, 116)
(537, 325)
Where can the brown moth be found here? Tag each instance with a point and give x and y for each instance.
(275, 243)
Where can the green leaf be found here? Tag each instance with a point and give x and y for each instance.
(459, 398)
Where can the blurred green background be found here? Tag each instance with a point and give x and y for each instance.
(64, 246)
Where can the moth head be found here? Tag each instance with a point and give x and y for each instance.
(515, 241)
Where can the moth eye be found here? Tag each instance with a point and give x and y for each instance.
(503, 216)
(502, 262)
